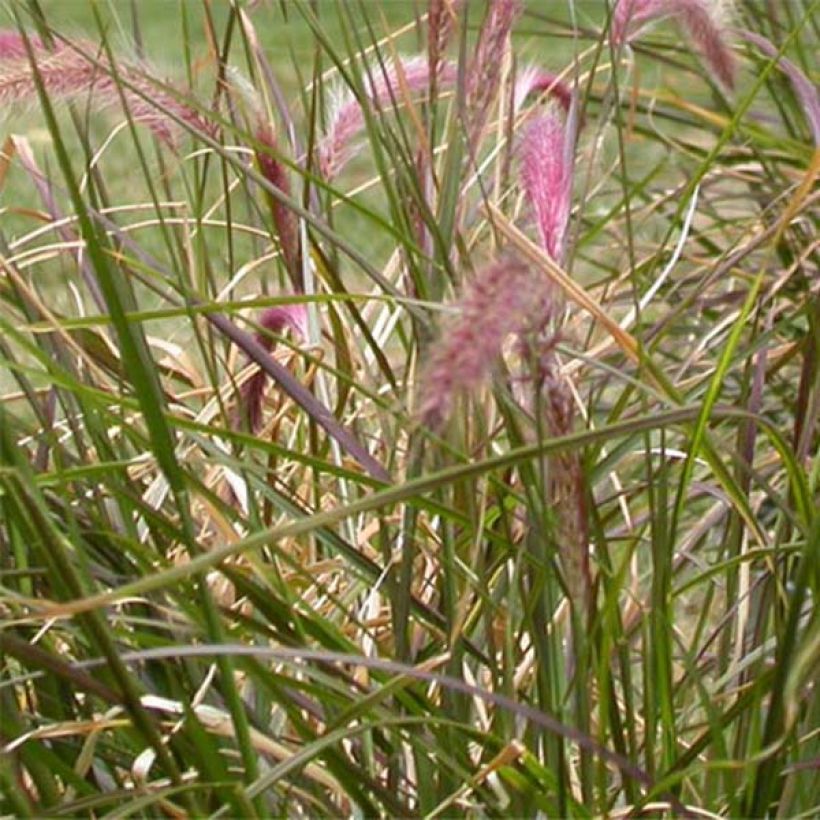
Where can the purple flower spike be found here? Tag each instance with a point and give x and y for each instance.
(442, 16)
(286, 317)
(485, 67)
(284, 219)
(533, 80)
(12, 46)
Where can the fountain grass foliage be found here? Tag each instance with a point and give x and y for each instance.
(409, 409)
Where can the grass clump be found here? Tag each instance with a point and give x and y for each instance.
(405, 426)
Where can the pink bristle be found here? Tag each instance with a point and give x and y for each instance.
(485, 68)
(347, 120)
(441, 21)
(284, 218)
(533, 80)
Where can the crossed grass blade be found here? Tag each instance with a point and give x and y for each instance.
(444, 560)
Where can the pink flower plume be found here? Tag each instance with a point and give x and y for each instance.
(533, 80)
(12, 46)
(274, 170)
(384, 87)
(285, 317)
(442, 16)
(65, 72)
(485, 68)
(284, 219)
(504, 298)
(547, 169)
(701, 20)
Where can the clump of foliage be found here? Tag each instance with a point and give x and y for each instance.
(408, 425)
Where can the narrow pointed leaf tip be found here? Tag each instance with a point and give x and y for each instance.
(704, 24)
(504, 298)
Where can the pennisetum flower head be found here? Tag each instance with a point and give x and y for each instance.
(284, 219)
(12, 46)
(280, 318)
(704, 22)
(274, 170)
(547, 161)
(534, 80)
(71, 70)
(442, 16)
(384, 85)
(505, 297)
(485, 68)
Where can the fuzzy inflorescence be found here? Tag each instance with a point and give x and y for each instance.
(485, 68)
(67, 71)
(547, 164)
(285, 221)
(534, 80)
(505, 297)
(441, 22)
(566, 486)
(384, 85)
(704, 23)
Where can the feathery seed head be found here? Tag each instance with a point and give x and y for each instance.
(279, 318)
(505, 297)
(485, 68)
(442, 16)
(12, 46)
(284, 219)
(272, 169)
(532, 79)
(704, 21)
(66, 72)
(384, 89)
(547, 166)
(239, 83)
